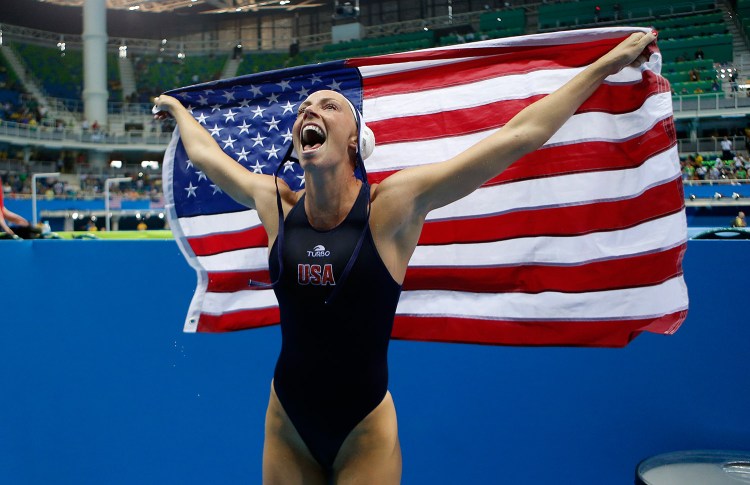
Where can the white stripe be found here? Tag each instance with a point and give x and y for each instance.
(479, 93)
(564, 189)
(631, 303)
(659, 234)
(546, 39)
(594, 126)
(240, 260)
(219, 223)
(218, 303)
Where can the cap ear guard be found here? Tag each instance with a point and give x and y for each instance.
(365, 136)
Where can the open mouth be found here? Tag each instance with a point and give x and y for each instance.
(312, 138)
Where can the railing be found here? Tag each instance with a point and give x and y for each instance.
(45, 133)
(710, 101)
(76, 106)
(709, 145)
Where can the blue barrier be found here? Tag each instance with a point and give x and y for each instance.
(100, 386)
(23, 206)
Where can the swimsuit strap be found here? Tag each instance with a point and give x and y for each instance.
(355, 253)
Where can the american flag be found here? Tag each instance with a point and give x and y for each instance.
(578, 243)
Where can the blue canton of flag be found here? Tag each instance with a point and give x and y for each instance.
(251, 118)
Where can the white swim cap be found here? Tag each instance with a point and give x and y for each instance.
(366, 137)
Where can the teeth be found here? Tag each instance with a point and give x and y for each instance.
(313, 128)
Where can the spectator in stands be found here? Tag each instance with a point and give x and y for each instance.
(741, 173)
(699, 54)
(142, 226)
(715, 86)
(726, 149)
(684, 91)
(733, 75)
(739, 221)
(10, 216)
(698, 90)
(694, 74)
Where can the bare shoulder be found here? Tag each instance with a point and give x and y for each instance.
(265, 202)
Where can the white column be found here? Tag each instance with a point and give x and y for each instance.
(95, 61)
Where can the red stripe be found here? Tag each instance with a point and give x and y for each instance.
(532, 333)
(580, 157)
(475, 70)
(242, 320)
(592, 49)
(575, 220)
(230, 281)
(254, 237)
(613, 99)
(612, 274)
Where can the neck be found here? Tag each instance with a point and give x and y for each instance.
(329, 196)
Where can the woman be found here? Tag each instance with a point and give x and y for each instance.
(338, 253)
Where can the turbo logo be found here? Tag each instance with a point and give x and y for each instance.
(318, 251)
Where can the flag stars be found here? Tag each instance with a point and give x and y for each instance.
(289, 165)
(229, 96)
(301, 179)
(216, 107)
(287, 136)
(242, 154)
(256, 91)
(315, 79)
(334, 86)
(215, 130)
(190, 108)
(258, 140)
(202, 100)
(272, 152)
(273, 98)
(284, 85)
(229, 142)
(244, 127)
(303, 92)
(201, 118)
(229, 115)
(191, 190)
(273, 124)
(217, 190)
(182, 95)
(258, 111)
(245, 103)
(288, 107)
(188, 164)
(258, 167)
(201, 176)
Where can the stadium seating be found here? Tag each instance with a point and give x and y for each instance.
(493, 25)
(10, 94)
(573, 14)
(156, 74)
(377, 45)
(61, 75)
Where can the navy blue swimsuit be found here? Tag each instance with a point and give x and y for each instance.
(333, 369)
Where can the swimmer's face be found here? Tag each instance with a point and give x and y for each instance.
(325, 131)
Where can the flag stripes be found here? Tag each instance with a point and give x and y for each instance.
(578, 243)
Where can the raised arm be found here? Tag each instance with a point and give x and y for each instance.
(439, 184)
(239, 183)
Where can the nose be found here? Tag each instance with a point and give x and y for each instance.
(309, 111)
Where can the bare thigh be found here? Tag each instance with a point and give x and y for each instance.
(286, 459)
(371, 454)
